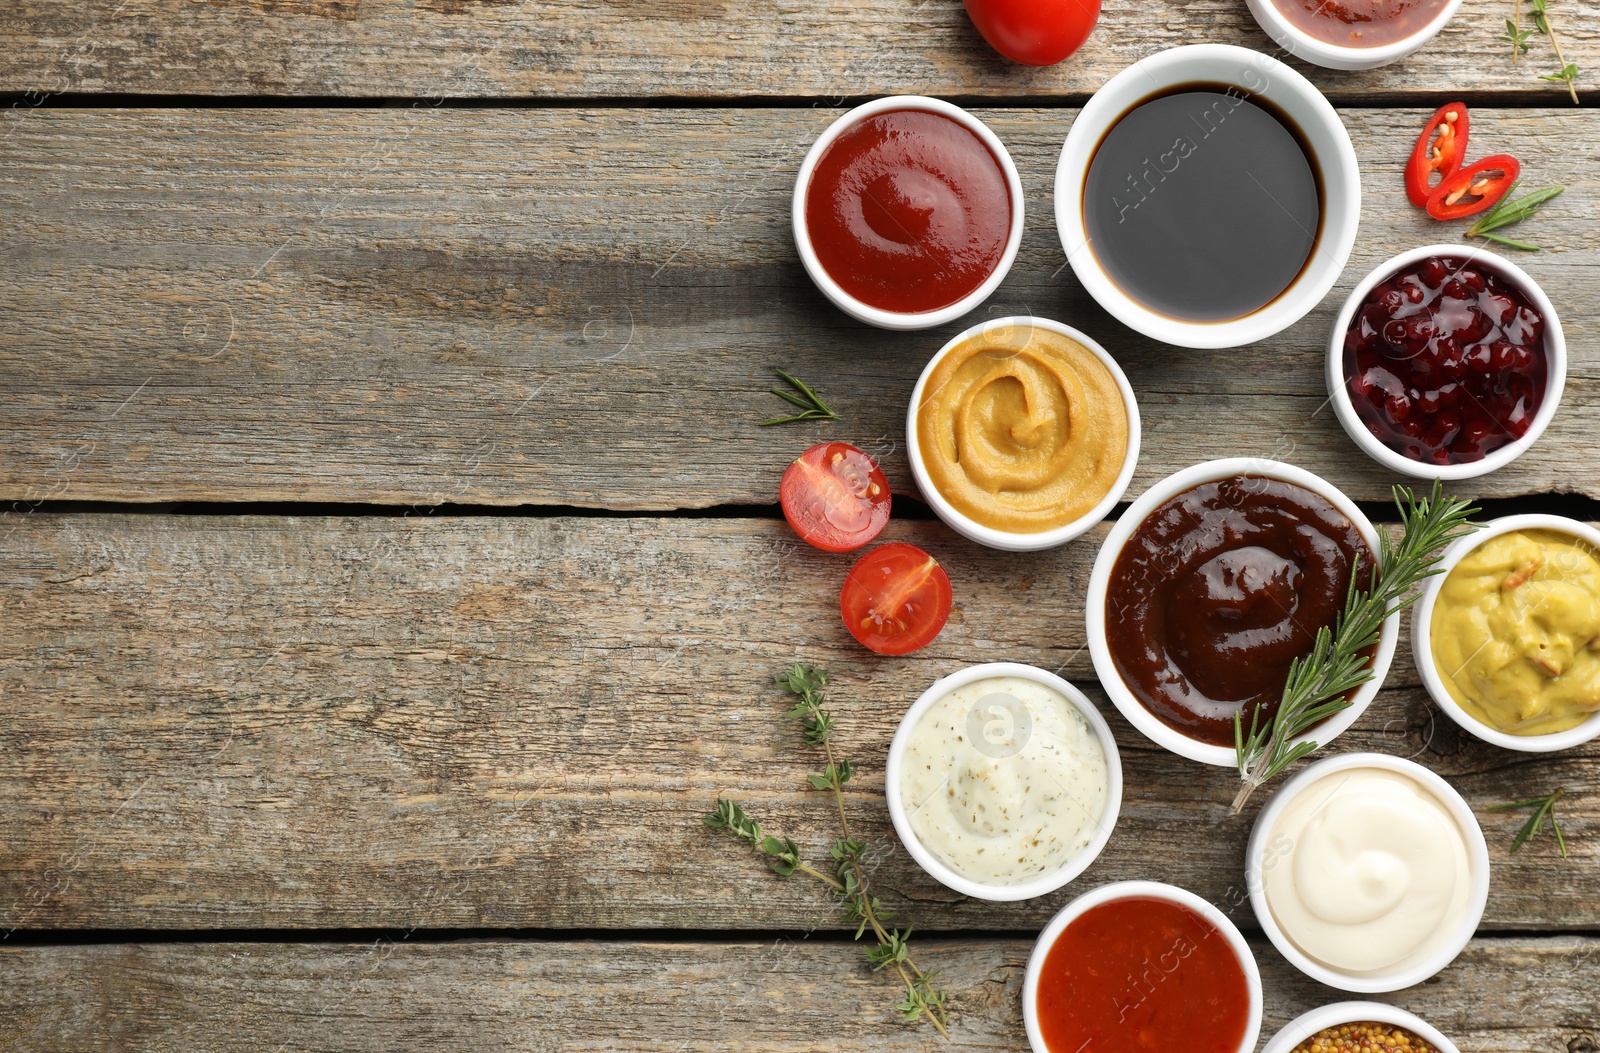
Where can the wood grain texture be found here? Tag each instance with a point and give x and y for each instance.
(513, 722)
(1500, 996)
(678, 48)
(584, 307)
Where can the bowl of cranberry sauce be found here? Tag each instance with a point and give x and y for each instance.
(1446, 363)
(907, 212)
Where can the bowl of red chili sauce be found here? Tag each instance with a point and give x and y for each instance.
(907, 212)
(1352, 34)
(1141, 965)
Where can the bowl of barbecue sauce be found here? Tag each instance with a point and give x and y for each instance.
(1211, 585)
(1208, 196)
(1352, 34)
(907, 212)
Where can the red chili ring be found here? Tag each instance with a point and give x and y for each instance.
(1469, 191)
(1452, 147)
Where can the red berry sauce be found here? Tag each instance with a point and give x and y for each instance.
(1445, 362)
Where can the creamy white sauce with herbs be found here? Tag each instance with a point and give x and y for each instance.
(1004, 781)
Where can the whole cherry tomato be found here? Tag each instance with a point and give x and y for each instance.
(895, 599)
(1034, 32)
(835, 497)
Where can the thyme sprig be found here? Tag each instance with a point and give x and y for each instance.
(1506, 212)
(1543, 808)
(1517, 37)
(1317, 685)
(848, 881)
(803, 396)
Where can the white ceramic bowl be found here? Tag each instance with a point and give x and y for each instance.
(1303, 45)
(1555, 344)
(876, 315)
(1257, 75)
(1422, 637)
(1309, 1023)
(1004, 539)
(1045, 883)
(1142, 890)
(1477, 865)
(1100, 578)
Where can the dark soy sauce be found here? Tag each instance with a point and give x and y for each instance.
(1202, 204)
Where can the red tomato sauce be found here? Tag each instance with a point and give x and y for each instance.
(1144, 975)
(908, 211)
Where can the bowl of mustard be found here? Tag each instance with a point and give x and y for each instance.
(1023, 433)
(1507, 634)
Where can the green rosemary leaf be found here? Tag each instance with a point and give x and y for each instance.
(1511, 242)
(1317, 684)
(1544, 808)
(803, 396)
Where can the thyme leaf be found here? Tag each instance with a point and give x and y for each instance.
(848, 881)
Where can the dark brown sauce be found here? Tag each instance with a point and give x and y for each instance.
(1219, 590)
(1203, 203)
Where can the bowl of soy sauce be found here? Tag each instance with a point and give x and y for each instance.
(1208, 196)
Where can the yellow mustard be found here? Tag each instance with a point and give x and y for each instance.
(1022, 429)
(1516, 632)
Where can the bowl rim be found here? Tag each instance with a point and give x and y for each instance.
(1138, 889)
(1555, 362)
(1006, 540)
(1043, 884)
(1333, 1014)
(1303, 45)
(1165, 68)
(1422, 635)
(900, 320)
(1477, 864)
(1099, 580)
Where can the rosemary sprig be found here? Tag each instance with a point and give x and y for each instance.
(803, 396)
(1318, 683)
(1506, 212)
(848, 880)
(1543, 808)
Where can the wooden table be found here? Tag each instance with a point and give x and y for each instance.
(391, 574)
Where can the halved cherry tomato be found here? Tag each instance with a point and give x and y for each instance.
(895, 599)
(1443, 155)
(1034, 32)
(835, 497)
(1474, 188)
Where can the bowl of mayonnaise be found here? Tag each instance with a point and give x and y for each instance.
(1368, 872)
(1003, 781)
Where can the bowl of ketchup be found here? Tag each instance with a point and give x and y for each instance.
(1136, 966)
(907, 212)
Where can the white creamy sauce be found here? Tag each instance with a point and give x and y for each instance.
(1004, 780)
(1373, 872)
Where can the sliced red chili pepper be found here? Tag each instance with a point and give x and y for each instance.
(1474, 188)
(1443, 155)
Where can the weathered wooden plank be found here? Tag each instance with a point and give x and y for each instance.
(580, 307)
(1500, 996)
(566, 48)
(489, 721)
